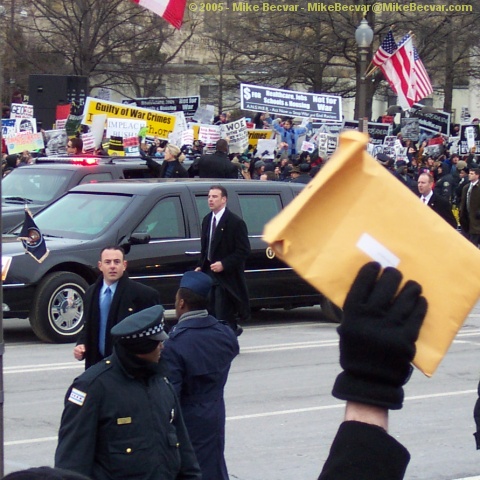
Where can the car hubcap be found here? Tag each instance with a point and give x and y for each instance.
(66, 309)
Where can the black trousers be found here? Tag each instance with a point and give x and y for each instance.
(222, 306)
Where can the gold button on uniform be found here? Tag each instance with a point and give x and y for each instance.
(128, 450)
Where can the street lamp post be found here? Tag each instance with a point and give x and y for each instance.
(363, 37)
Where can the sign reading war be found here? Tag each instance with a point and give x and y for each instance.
(288, 102)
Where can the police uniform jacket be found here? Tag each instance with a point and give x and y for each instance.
(129, 297)
(116, 426)
(365, 452)
(199, 353)
(230, 245)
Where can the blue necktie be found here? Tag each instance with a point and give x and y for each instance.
(104, 309)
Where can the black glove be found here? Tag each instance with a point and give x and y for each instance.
(377, 337)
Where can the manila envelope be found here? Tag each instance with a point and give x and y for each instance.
(355, 211)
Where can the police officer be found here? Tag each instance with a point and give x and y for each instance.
(122, 418)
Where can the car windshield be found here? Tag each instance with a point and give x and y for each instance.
(34, 185)
(81, 215)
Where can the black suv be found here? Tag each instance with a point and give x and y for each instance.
(159, 223)
(39, 184)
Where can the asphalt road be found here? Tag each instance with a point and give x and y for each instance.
(281, 416)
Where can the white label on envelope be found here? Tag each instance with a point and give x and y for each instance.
(378, 252)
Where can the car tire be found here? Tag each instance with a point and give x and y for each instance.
(57, 311)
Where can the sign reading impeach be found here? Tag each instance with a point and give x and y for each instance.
(159, 124)
(288, 102)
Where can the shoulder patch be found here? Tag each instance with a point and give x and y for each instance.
(77, 397)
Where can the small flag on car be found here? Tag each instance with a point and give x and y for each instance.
(32, 239)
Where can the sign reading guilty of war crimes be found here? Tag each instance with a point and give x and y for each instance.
(288, 102)
(437, 122)
(159, 124)
(376, 131)
(187, 105)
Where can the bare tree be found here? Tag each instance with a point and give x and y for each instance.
(115, 43)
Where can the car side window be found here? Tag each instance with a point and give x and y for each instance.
(257, 210)
(165, 220)
(96, 177)
(137, 173)
(202, 206)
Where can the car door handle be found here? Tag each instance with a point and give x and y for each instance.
(193, 253)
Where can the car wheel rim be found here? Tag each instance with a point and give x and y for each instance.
(66, 310)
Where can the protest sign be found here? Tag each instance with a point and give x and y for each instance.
(8, 127)
(20, 110)
(72, 126)
(292, 103)
(159, 124)
(209, 134)
(469, 137)
(187, 137)
(433, 122)
(389, 145)
(327, 144)
(24, 141)
(97, 128)
(266, 148)
(187, 105)
(237, 133)
(307, 147)
(131, 146)
(122, 127)
(204, 114)
(88, 140)
(115, 147)
(410, 128)
(376, 131)
(255, 135)
(56, 142)
(26, 125)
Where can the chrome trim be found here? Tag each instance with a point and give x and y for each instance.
(172, 240)
(176, 275)
(14, 285)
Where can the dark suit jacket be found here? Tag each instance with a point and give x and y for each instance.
(442, 206)
(470, 220)
(217, 165)
(130, 297)
(231, 247)
(159, 169)
(365, 452)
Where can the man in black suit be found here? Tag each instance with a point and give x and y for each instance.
(108, 301)
(437, 203)
(470, 207)
(225, 248)
(216, 165)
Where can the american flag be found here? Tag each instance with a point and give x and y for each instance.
(423, 85)
(398, 69)
(386, 49)
(171, 10)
